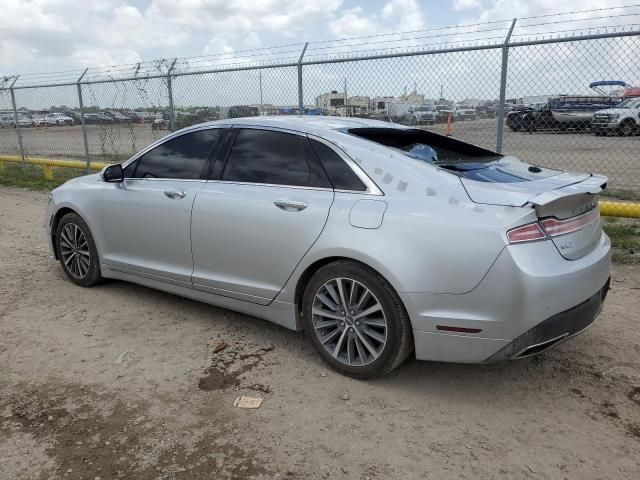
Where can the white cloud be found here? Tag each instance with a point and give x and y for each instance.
(466, 4)
(395, 16)
(353, 23)
(102, 57)
(68, 32)
(217, 45)
(252, 40)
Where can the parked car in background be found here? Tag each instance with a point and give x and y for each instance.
(465, 112)
(9, 121)
(445, 113)
(57, 119)
(117, 116)
(377, 239)
(161, 122)
(38, 120)
(516, 118)
(401, 111)
(74, 115)
(238, 111)
(624, 119)
(425, 114)
(97, 119)
(487, 111)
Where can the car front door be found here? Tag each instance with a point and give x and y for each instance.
(252, 223)
(146, 218)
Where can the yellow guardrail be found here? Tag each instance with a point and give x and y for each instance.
(608, 209)
(620, 209)
(48, 164)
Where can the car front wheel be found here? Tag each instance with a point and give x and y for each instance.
(355, 320)
(627, 128)
(77, 251)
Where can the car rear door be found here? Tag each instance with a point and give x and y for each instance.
(147, 218)
(265, 206)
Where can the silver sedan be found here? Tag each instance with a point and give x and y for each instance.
(378, 240)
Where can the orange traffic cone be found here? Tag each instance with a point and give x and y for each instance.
(449, 125)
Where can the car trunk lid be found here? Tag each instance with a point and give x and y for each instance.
(565, 202)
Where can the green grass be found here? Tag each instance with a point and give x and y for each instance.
(625, 238)
(32, 176)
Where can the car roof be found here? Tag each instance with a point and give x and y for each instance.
(307, 123)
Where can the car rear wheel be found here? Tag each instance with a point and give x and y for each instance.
(77, 251)
(355, 320)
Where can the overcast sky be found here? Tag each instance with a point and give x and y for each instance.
(55, 35)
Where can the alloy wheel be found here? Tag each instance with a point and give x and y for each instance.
(74, 250)
(349, 321)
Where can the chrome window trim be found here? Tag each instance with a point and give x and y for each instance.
(275, 185)
(372, 187)
(152, 179)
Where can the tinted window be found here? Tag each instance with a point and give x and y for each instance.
(340, 174)
(263, 156)
(183, 157)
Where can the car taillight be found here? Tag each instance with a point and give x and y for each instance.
(526, 233)
(555, 227)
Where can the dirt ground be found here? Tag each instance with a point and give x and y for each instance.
(120, 381)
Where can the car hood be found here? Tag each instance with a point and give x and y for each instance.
(542, 185)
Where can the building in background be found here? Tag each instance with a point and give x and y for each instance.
(332, 102)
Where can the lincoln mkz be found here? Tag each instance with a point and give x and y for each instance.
(378, 240)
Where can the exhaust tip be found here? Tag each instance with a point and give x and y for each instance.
(538, 348)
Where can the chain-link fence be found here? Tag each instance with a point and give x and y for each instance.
(567, 100)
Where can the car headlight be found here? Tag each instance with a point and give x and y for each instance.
(615, 116)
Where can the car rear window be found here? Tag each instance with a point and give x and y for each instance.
(428, 146)
(340, 174)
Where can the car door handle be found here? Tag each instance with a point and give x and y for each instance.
(290, 205)
(175, 194)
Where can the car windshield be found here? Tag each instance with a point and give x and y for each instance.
(630, 103)
(423, 109)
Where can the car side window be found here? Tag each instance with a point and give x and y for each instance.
(265, 156)
(340, 174)
(183, 157)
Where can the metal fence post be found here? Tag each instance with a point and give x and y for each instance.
(172, 115)
(503, 87)
(300, 99)
(15, 119)
(84, 125)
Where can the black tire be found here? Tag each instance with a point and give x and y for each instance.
(627, 128)
(93, 275)
(399, 341)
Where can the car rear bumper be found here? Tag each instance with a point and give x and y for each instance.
(554, 330)
(527, 286)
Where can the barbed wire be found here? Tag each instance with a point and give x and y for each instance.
(381, 43)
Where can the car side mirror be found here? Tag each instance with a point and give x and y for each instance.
(113, 173)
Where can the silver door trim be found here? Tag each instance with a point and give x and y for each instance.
(372, 187)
